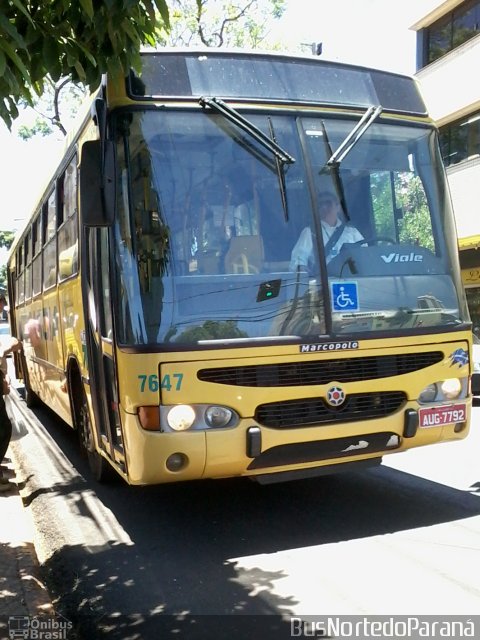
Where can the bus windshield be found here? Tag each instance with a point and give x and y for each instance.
(214, 244)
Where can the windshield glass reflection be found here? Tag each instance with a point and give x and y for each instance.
(205, 252)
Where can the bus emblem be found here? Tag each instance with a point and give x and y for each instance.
(335, 396)
(460, 357)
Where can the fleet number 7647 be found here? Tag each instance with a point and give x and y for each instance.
(168, 382)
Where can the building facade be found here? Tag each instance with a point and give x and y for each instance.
(448, 69)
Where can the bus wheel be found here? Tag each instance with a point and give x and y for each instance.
(99, 467)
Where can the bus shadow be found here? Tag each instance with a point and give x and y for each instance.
(187, 536)
(327, 509)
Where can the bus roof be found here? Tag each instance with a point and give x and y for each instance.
(469, 242)
(271, 77)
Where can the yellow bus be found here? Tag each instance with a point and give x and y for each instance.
(176, 301)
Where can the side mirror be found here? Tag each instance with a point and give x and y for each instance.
(97, 183)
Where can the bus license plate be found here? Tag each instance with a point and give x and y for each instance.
(438, 416)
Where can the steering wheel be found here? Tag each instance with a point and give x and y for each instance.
(374, 240)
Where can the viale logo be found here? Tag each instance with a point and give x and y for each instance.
(402, 257)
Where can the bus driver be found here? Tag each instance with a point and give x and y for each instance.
(335, 233)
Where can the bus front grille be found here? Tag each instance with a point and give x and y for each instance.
(314, 411)
(294, 374)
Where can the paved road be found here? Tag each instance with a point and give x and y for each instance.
(400, 539)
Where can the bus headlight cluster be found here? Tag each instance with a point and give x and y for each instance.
(444, 390)
(184, 417)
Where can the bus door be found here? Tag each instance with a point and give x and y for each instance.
(101, 355)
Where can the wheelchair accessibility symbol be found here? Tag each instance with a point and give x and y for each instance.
(344, 296)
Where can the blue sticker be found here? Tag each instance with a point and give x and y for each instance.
(460, 357)
(345, 296)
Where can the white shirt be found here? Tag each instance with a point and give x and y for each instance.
(302, 253)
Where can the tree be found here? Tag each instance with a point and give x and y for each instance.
(211, 23)
(6, 239)
(219, 23)
(416, 225)
(58, 105)
(79, 40)
(408, 195)
(211, 330)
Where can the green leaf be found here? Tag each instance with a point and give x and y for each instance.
(31, 35)
(87, 6)
(151, 40)
(150, 8)
(129, 30)
(22, 8)
(51, 54)
(80, 71)
(13, 109)
(11, 30)
(5, 117)
(3, 63)
(86, 53)
(164, 12)
(11, 53)
(37, 68)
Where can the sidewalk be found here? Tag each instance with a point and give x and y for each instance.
(22, 592)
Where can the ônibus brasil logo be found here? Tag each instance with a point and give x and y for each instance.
(38, 628)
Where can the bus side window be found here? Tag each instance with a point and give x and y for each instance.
(20, 277)
(68, 231)
(37, 255)
(28, 264)
(50, 241)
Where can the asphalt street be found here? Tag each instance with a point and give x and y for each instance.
(209, 557)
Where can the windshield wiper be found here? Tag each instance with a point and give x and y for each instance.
(336, 157)
(280, 173)
(242, 123)
(368, 118)
(334, 170)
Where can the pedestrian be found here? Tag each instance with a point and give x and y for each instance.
(10, 345)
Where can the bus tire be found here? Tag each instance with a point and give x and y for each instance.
(101, 470)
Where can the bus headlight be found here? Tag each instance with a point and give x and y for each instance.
(181, 417)
(197, 417)
(428, 394)
(218, 416)
(451, 388)
(444, 390)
